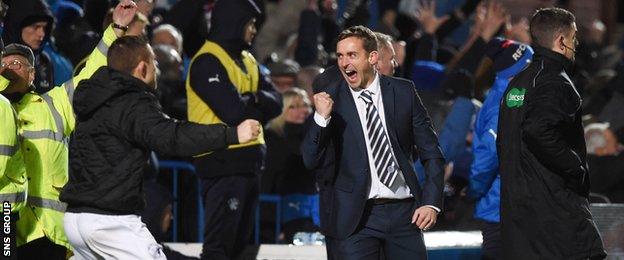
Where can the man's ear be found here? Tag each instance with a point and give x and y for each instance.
(373, 57)
(559, 42)
(140, 70)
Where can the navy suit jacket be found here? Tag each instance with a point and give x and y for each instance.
(338, 152)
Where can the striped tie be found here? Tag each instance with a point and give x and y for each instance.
(385, 163)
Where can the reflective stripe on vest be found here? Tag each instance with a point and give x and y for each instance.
(69, 88)
(102, 47)
(60, 127)
(8, 150)
(45, 134)
(49, 134)
(13, 197)
(47, 203)
(70, 85)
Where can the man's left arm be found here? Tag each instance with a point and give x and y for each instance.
(432, 159)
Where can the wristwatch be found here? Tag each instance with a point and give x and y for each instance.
(120, 27)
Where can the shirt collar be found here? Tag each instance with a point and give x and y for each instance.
(374, 88)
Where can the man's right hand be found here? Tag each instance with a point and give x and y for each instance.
(248, 131)
(323, 104)
(16, 82)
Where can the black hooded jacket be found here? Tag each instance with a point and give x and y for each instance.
(544, 180)
(227, 30)
(118, 121)
(21, 14)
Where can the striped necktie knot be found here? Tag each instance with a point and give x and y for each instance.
(367, 97)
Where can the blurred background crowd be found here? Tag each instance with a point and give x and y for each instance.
(450, 49)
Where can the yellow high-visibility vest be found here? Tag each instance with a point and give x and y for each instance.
(13, 182)
(45, 123)
(198, 111)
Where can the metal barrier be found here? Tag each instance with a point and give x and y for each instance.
(176, 167)
(278, 215)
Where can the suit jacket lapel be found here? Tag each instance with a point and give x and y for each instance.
(387, 94)
(351, 117)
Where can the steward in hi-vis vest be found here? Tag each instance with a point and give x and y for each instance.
(224, 86)
(45, 122)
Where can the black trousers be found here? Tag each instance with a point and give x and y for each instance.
(492, 246)
(230, 203)
(385, 229)
(41, 248)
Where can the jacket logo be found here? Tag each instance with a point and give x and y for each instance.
(515, 97)
(518, 54)
(214, 79)
(233, 204)
(294, 205)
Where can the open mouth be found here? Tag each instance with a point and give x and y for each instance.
(351, 74)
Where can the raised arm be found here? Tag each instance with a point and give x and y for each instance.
(122, 15)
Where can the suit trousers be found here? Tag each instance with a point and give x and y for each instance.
(385, 229)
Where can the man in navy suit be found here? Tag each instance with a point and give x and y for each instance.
(368, 127)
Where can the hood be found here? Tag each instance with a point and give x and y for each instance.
(228, 21)
(103, 86)
(23, 13)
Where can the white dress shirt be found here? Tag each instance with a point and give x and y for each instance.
(377, 189)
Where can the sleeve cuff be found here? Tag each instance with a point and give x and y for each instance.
(231, 135)
(109, 36)
(434, 208)
(320, 120)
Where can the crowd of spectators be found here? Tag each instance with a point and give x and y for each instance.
(451, 50)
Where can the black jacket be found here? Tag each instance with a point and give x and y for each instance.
(118, 121)
(544, 181)
(21, 14)
(228, 23)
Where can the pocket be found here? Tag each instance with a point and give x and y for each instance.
(59, 180)
(18, 177)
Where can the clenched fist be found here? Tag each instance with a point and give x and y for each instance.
(124, 14)
(323, 104)
(248, 131)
